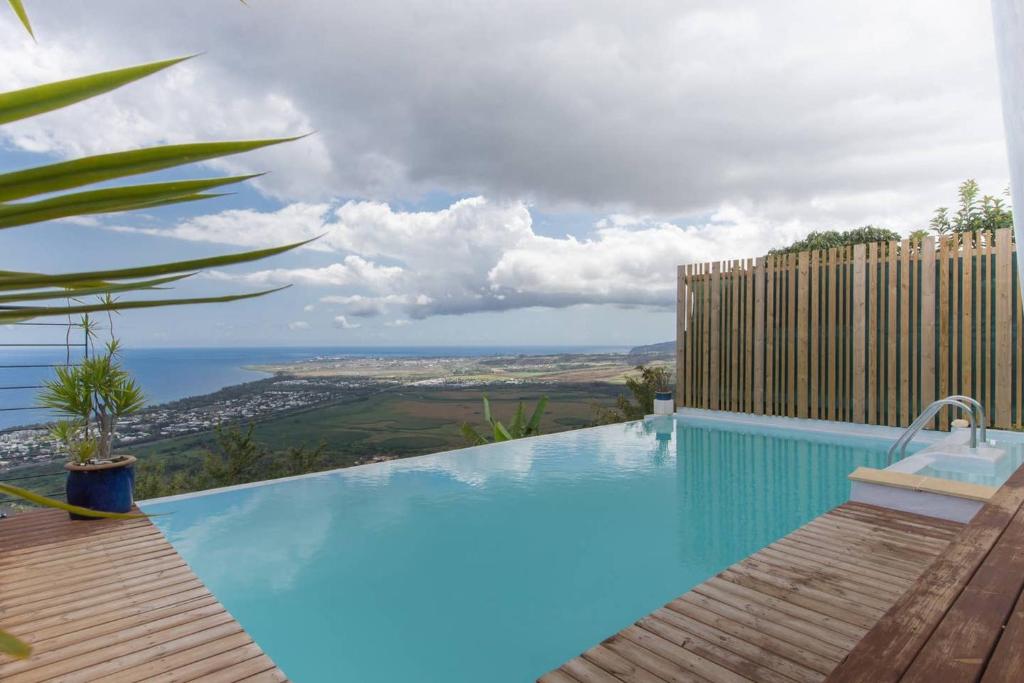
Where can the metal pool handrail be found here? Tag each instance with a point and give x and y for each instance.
(979, 412)
(926, 415)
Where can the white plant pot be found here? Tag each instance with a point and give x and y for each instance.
(663, 404)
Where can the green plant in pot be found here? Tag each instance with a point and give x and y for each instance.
(92, 396)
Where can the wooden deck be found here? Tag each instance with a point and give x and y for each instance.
(964, 619)
(790, 612)
(112, 601)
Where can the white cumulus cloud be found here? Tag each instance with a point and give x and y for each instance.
(342, 322)
(479, 255)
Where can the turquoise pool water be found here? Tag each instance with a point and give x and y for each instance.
(498, 563)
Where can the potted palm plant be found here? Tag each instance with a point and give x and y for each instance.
(91, 396)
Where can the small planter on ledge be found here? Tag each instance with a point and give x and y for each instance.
(663, 404)
(105, 486)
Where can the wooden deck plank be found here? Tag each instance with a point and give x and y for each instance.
(947, 625)
(113, 601)
(725, 648)
(791, 611)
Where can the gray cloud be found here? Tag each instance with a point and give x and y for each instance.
(852, 111)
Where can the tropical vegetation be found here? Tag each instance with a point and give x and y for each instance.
(51, 192)
(648, 381)
(235, 457)
(975, 213)
(92, 395)
(519, 428)
(830, 239)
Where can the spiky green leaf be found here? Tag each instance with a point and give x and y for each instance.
(19, 9)
(94, 169)
(14, 280)
(21, 104)
(533, 427)
(105, 288)
(33, 497)
(107, 200)
(12, 647)
(487, 410)
(27, 313)
(472, 436)
(501, 433)
(518, 422)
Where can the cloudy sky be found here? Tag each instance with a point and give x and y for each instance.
(504, 171)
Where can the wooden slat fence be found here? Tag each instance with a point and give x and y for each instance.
(868, 333)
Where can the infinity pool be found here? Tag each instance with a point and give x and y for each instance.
(500, 562)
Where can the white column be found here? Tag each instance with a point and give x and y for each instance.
(1008, 20)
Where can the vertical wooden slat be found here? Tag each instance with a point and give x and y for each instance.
(715, 348)
(833, 306)
(779, 334)
(706, 337)
(1003, 322)
(967, 318)
(680, 334)
(905, 248)
(1018, 349)
(872, 322)
(692, 383)
(942, 361)
(749, 315)
(914, 344)
(815, 291)
(954, 317)
(734, 370)
(980, 319)
(803, 301)
(927, 324)
(791, 337)
(691, 338)
(859, 320)
(891, 334)
(759, 336)
(769, 336)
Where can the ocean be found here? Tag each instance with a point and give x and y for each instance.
(168, 374)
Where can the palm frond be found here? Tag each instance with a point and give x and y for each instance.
(19, 10)
(101, 167)
(38, 99)
(17, 280)
(101, 288)
(33, 497)
(14, 315)
(12, 647)
(109, 200)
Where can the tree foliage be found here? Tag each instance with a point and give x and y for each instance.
(642, 388)
(236, 457)
(830, 239)
(975, 213)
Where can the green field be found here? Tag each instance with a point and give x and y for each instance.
(397, 422)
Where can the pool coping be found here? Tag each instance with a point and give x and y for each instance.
(799, 424)
(924, 483)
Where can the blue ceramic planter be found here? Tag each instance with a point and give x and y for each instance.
(107, 487)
